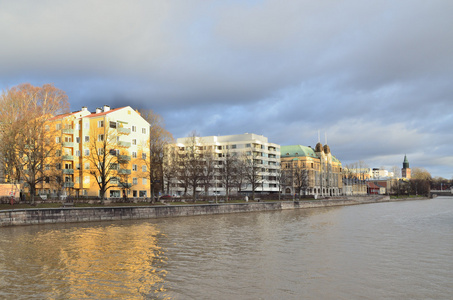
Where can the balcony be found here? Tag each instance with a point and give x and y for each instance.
(67, 144)
(123, 158)
(68, 157)
(124, 172)
(68, 131)
(124, 185)
(124, 144)
(68, 171)
(124, 130)
(68, 184)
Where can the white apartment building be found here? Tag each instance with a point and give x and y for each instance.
(265, 153)
(380, 173)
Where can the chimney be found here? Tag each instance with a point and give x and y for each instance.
(98, 110)
(106, 108)
(84, 108)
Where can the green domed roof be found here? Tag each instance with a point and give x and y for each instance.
(297, 150)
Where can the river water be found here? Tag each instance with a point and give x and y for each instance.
(396, 250)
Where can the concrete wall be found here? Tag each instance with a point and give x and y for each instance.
(67, 215)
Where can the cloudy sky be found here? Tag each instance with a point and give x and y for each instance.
(374, 78)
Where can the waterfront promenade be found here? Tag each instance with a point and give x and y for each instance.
(15, 217)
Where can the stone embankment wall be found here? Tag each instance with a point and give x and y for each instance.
(68, 215)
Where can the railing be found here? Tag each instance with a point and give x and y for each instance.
(68, 157)
(124, 171)
(67, 144)
(124, 144)
(124, 185)
(68, 171)
(124, 130)
(124, 158)
(68, 131)
(68, 184)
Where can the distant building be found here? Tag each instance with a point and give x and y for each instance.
(381, 173)
(406, 171)
(323, 170)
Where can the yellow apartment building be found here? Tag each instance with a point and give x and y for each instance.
(101, 150)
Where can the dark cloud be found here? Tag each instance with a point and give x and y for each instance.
(375, 76)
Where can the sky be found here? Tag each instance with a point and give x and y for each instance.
(373, 79)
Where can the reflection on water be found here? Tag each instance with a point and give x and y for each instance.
(102, 261)
(399, 250)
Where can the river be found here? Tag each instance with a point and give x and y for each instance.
(395, 250)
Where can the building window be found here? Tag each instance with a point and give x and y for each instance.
(77, 139)
(57, 140)
(78, 166)
(144, 130)
(144, 181)
(112, 124)
(87, 152)
(100, 124)
(58, 126)
(143, 155)
(115, 194)
(134, 154)
(77, 153)
(134, 167)
(87, 166)
(142, 194)
(134, 128)
(143, 168)
(77, 126)
(134, 181)
(100, 137)
(87, 125)
(247, 145)
(134, 141)
(87, 138)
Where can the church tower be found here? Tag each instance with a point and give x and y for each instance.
(406, 171)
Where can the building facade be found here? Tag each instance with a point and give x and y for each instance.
(246, 148)
(321, 170)
(106, 147)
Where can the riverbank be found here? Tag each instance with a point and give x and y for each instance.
(33, 216)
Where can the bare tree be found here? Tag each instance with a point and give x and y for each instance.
(283, 179)
(228, 171)
(300, 179)
(170, 166)
(27, 140)
(209, 169)
(420, 181)
(194, 162)
(396, 172)
(159, 139)
(252, 172)
(106, 160)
